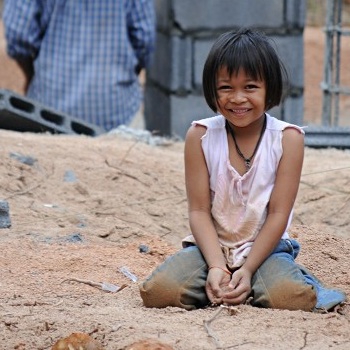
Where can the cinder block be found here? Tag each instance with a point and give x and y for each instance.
(293, 110)
(295, 14)
(201, 48)
(324, 137)
(213, 15)
(169, 114)
(291, 50)
(276, 112)
(172, 64)
(186, 109)
(157, 110)
(207, 14)
(19, 113)
(163, 14)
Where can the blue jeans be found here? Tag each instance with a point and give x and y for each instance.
(279, 283)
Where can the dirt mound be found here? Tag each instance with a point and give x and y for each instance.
(107, 210)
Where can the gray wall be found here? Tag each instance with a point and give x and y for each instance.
(185, 32)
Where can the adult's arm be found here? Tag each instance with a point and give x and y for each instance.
(23, 23)
(141, 23)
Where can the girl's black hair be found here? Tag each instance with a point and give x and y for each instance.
(248, 50)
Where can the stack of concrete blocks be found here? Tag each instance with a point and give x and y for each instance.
(186, 30)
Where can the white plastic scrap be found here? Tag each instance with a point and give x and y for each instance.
(124, 270)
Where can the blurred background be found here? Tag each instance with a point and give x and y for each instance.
(314, 38)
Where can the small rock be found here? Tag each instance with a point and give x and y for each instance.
(28, 160)
(69, 176)
(143, 248)
(5, 221)
(148, 344)
(74, 238)
(77, 341)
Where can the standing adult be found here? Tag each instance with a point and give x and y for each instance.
(83, 57)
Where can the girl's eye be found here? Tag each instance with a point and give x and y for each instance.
(224, 87)
(251, 86)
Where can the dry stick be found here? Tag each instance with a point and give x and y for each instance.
(128, 151)
(23, 192)
(208, 329)
(91, 283)
(232, 310)
(123, 159)
(325, 171)
(124, 173)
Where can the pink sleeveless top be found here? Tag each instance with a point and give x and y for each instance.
(239, 203)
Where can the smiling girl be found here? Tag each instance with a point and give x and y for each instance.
(242, 170)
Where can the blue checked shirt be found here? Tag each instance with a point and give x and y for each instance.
(86, 54)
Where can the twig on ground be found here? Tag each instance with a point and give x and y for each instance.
(95, 284)
(19, 193)
(128, 151)
(232, 311)
(208, 329)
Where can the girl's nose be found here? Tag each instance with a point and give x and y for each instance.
(238, 97)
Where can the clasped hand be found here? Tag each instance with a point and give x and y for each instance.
(221, 288)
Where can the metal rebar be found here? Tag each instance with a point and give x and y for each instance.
(337, 63)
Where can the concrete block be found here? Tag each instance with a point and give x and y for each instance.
(291, 50)
(206, 14)
(324, 137)
(295, 14)
(163, 14)
(276, 112)
(186, 109)
(201, 48)
(293, 110)
(172, 64)
(171, 115)
(213, 15)
(157, 110)
(19, 113)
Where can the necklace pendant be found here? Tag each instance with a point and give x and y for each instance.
(247, 164)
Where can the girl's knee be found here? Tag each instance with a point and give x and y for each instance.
(158, 291)
(179, 282)
(287, 295)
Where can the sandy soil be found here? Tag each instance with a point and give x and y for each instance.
(83, 208)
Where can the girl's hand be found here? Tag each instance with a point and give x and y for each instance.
(239, 288)
(217, 281)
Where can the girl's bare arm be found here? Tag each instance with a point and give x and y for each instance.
(280, 206)
(282, 199)
(198, 196)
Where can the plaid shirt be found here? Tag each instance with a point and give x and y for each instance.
(86, 54)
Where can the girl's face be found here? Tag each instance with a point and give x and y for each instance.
(241, 99)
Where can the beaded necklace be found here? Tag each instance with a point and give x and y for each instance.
(247, 161)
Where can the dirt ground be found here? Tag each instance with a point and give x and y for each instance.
(83, 208)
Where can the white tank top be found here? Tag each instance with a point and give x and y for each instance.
(239, 202)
